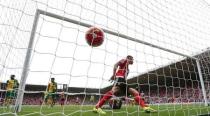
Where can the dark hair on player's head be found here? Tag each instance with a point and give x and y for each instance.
(12, 76)
(129, 56)
(52, 79)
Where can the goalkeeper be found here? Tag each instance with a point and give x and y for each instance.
(120, 73)
(51, 92)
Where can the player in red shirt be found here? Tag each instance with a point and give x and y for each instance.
(120, 72)
(62, 98)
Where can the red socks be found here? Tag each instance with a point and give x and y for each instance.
(109, 94)
(106, 97)
(139, 100)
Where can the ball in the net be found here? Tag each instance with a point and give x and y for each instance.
(94, 36)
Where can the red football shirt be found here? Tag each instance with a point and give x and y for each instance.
(122, 70)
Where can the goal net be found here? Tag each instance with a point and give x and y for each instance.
(40, 40)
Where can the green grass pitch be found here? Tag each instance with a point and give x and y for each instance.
(77, 110)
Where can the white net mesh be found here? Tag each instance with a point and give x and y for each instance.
(170, 82)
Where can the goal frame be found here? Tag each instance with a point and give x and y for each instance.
(18, 103)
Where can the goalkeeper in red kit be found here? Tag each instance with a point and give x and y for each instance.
(120, 72)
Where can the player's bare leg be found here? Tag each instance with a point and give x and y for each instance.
(8, 102)
(49, 101)
(53, 102)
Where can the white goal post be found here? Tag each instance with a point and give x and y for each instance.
(31, 43)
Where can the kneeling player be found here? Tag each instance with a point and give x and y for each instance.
(115, 103)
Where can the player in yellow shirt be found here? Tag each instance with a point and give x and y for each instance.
(11, 90)
(51, 92)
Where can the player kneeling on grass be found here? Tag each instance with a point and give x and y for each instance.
(115, 103)
(120, 73)
(51, 92)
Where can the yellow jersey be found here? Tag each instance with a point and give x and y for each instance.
(52, 87)
(11, 84)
